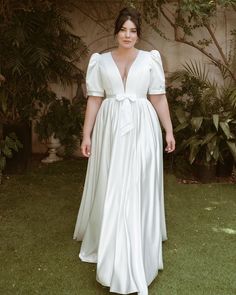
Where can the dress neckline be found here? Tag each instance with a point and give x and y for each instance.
(130, 68)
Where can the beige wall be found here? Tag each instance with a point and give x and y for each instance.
(99, 38)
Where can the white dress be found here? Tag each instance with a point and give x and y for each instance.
(121, 219)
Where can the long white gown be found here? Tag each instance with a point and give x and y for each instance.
(121, 220)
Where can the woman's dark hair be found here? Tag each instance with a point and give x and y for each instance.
(128, 13)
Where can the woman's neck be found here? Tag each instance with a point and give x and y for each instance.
(126, 51)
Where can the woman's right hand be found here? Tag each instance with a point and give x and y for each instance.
(86, 147)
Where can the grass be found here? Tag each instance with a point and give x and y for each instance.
(38, 256)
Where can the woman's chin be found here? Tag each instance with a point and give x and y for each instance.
(127, 45)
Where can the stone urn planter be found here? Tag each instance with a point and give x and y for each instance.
(53, 145)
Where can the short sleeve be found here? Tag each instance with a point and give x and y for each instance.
(157, 77)
(93, 77)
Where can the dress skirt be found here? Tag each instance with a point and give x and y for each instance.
(121, 220)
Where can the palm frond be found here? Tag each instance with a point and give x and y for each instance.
(37, 47)
(197, 70)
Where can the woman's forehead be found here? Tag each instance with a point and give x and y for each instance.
(129, 25)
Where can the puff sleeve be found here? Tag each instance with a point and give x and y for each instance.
(93, 77)
(157, 77)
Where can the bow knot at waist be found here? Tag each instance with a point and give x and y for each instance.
(126, 122)
(130, 97)
(126, 97)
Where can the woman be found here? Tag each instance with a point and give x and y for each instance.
(121, 218)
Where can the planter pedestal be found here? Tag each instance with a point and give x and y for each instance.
(53, 144)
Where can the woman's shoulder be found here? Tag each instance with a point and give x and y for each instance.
(105, 54)
(99, 56)
(152, 54)
(94, 58)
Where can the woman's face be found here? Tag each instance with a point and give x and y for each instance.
(127, 36)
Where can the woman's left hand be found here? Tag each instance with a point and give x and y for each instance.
(170, 143)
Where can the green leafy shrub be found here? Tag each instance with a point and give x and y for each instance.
(8, 146)
(63, 119)
(204, 116)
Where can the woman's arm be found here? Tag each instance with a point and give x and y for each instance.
(159, 101)
(93, 105)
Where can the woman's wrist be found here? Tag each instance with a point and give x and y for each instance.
(86, 135)
(169, 131)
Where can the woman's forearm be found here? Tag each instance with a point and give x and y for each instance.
(161, 106)
(93, 105)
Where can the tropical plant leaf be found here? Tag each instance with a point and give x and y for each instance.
(39, 57)
(16, 64)
(181, 126)
(196, 123)
(208, 156)
(197, 70)
(208, 138)
(216, 153)
(181, 115)
(7, 151)
(194, 150)
(177, 75)
(225, 128)
(213, 148)
(232, 147)
(211, 145)
(215, 118)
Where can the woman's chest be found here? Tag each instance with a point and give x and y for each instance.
(133, 76)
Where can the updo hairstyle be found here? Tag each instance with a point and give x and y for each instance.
(128, 13)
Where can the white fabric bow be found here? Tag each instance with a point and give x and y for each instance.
(126, 117)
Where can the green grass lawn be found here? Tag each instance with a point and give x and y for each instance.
(38, 211)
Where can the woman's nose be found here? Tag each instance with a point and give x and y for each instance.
(127, 34)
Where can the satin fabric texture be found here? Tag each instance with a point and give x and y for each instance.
(121, 219)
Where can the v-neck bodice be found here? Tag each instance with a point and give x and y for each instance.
(130, 68)
(145, 75)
